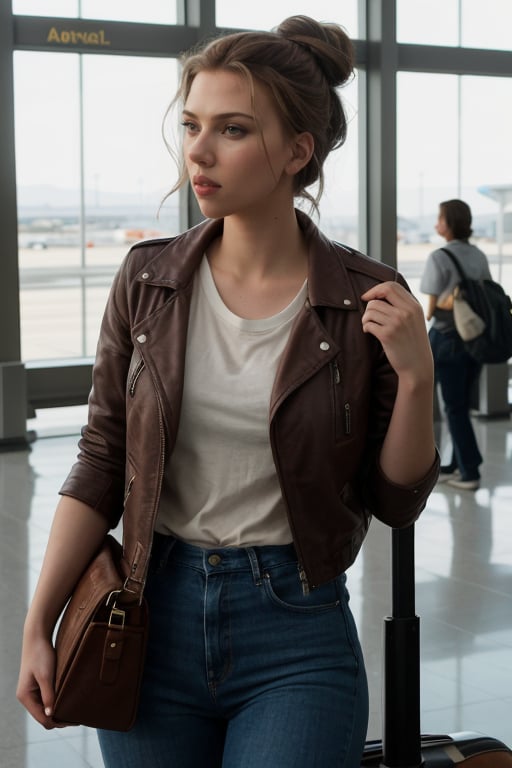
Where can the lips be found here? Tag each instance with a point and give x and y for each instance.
(204, 186)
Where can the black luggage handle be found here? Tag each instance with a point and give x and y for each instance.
(401, 700)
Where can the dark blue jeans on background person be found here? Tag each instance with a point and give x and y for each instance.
(457, 372)
(244, 670)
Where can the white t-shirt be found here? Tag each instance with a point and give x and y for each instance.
(220, 486)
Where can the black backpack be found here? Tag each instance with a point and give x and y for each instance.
(488, 300)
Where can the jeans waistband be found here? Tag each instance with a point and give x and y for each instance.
(225, 559)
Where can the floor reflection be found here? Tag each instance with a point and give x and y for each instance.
(463, 596)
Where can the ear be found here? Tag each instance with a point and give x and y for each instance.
(302, 148)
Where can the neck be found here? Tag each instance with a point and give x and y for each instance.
(270, 246)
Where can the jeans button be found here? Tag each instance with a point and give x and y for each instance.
(214, 559)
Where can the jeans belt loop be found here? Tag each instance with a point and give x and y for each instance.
(255, 566)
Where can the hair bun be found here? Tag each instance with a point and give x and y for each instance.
(329, 44)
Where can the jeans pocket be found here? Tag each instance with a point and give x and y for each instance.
(284, 589)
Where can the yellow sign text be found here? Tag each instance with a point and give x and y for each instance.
(75, 37)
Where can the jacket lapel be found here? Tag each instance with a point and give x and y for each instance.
(310, 345)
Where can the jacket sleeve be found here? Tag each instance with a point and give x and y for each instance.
(400, 505)
(98, 476)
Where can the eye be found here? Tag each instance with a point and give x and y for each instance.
(189, 126)
(234, 131)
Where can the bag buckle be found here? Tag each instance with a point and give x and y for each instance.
(117, 618)
(117, 615)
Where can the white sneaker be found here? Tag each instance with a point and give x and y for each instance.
(464, 485)
(444, 477)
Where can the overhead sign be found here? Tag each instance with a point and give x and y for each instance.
(78, 37)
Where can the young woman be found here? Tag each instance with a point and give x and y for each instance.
(455, 370)
(260, 392)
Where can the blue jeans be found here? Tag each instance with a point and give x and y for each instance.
(243, 669)
(457, 373)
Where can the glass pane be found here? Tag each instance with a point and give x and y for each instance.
(427, 165)
(128, 169)
(48, 196)
(486, 173)
(438, 160)
(47, 143)
(74, 227)
(150, 11)
(438, 22)
(428, 22)
(48, 8)
(339, 205)
(233, 13)
(489, 29)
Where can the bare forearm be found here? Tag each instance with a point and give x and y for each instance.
(408, 451)
(76, 533)
(431, 307)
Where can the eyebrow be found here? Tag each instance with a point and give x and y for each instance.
(223, 115)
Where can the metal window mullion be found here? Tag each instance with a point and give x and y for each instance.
(380, 137)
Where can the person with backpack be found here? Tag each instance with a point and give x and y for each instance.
(456, 371)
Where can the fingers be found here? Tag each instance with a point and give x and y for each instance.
(391, 304)
(39, 705)
(396, 319)
(390, 293)
(35, 686)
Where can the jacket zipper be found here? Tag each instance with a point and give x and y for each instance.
(302, 573)
(160, 476)
(336, 380)
(135, 563)
(128, 489)
(348, 419)
(304, 581)
(135, 376)
(336, 372)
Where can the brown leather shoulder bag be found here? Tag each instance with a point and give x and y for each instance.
(101, 647)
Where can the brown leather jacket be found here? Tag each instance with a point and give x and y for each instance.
(330, 405)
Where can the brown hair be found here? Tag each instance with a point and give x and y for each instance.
(457, 215)
(302, 62)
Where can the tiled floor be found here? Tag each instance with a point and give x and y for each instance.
(464, 599)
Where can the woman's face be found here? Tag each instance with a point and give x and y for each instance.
(237, 154)
(441, 225)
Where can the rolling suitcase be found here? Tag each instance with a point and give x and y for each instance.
(402, 744)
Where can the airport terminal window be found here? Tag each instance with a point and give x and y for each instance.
(91, 168)
(233, 13)
(455, 22)
(445, 151)
(150, 11)
(81, 204)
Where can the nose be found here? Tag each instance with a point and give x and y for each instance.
(200, 151)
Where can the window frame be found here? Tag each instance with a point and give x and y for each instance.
(378, 58)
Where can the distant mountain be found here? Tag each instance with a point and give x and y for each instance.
(49, 197)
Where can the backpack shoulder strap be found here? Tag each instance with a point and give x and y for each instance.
(456, 262)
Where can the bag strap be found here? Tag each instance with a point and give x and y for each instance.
(457, 263)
